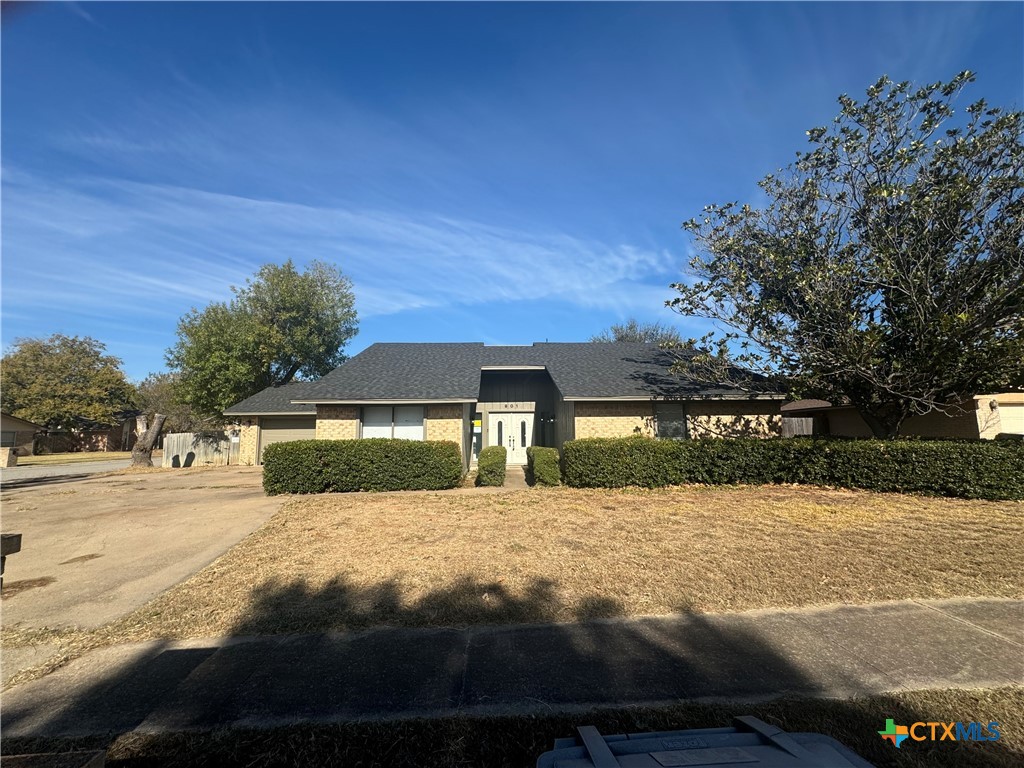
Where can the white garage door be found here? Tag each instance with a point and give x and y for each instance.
(281, 429)
(1012, 417)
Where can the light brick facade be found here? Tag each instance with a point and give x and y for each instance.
(609, 419)
(248, 441)
(444, 422)
(983, 417)
(715, 418)
(337, 422)
(724, 418)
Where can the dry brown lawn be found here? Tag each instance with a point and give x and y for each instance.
(459, 558)
(514, 741)
(78, 457)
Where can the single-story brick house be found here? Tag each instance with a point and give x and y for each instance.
(17, 433)
(516, 396)
(91, 435)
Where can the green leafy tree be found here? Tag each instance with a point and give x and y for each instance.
(61, 379)
(885, 269)
(634, 330)
(283, 324)
(158, 393)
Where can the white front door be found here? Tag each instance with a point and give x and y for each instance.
(512, 430)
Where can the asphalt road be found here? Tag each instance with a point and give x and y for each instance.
(81, 468)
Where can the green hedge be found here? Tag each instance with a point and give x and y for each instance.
(978, 469)
(542, 467)
(376, 464)
(491, 465)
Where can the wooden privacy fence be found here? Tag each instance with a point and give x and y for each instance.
(199, 449)
(796, 426)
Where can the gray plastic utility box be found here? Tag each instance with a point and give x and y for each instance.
(751, 743)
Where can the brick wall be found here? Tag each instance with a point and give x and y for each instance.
(971, 422)
(248, 441)
(443, 422)
(337, 422)
(974, 419)
(729, 418)
(614, 419)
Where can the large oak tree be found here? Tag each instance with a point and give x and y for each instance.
(886, 267)
(60, 380)
(281, 325)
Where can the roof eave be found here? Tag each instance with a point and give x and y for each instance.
(387, 401)
(270, 413)
(642, 398)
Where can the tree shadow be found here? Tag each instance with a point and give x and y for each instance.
(506, 678)
(36, 482)
(209, 447)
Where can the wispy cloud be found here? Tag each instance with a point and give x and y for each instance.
(103, 243)
(78, 10)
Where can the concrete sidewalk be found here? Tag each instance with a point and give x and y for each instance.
(835, 652)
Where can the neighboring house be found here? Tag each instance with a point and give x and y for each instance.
(515, 396)
(89, 435)
(985, 416)
(17, 434)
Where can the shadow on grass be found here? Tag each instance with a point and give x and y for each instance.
(280, 607)
(497, 695)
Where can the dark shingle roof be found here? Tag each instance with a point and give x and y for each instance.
(274, 400)
(452, 372)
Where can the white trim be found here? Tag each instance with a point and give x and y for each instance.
(689, 399)
(431, 401)
(273, 413)
(513, 368)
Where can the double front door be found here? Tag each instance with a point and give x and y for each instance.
(512, 430)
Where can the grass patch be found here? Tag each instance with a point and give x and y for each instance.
(459, 559)
(517, 741)
(76, 458)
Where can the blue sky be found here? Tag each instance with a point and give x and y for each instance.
(506, 173)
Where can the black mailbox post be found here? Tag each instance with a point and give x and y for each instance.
(9, 544)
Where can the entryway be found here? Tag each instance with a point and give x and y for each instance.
(512, 430)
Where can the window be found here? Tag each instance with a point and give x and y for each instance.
(409, 422)
(404, 422)
(522, 441)
(8, 439)
(670, 419)
(377, 421)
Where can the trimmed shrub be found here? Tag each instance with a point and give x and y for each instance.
(542, 467)
(970, 469)
(376, 464)
(491, 465)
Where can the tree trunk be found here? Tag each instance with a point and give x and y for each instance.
(886, 429)
(142, 453)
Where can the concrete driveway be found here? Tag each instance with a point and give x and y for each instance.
(97, 547)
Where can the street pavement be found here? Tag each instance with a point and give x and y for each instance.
(835, 652)
(14, 475)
